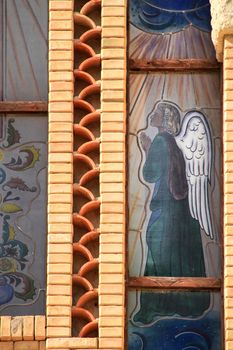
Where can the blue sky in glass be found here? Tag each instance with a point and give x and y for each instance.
(169, 16)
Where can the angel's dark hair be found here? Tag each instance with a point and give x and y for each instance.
(171, 117)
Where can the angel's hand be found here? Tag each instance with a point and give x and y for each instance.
(145, 141)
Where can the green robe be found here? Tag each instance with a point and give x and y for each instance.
(173, 237)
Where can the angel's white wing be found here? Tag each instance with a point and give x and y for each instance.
(194, 141)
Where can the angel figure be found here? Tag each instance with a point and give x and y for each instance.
(178, 162)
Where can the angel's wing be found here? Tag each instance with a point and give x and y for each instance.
(194, 140)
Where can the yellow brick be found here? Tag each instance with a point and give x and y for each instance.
(42, 345)
(54, 310)
(5, 328)
(59, 179)
(16, 328)
(113, 126)
(111, 321)
(112, 147)
(57, 332)
(61, 5)
(228, 105)
(60, 147)
(112, 187)
(60, 188)
(61, 76)
(229, 335)
(107, 157)
(60, 15)
(28, 327)
(60, 65)
(60, 137)
(228, 84)
(61, 55)
(228, 219)
(113, 137)
(60, 207)
(60, 218)
(108, 32)
(112, 218)
(113, 84)
(111, 289)
(59, 238)
(111, 248)
(60, 248)
(61, 158)
(109, 278)
(228, 53)
(59, 321)
(111, 300)
(109, 3)
(228, 281)
(63, 300)
(61, 45)
(61, 106)
(229, 260)
(228, 74)
(60, 258)
(114, 198)
(59, 279)
(61, 117)
(114, 208)
(26, 345)
(59, 290)
(9, 345)
(61, 35)
(114, 22)
(113, 167)
(111, 343)
(113, 106)
(113, 53)
(59, 268)
(119, 11)
(65, 88)
(60, 228)
(39, 327)
(113, 95)
(60, 198)
(111, 238)
(80, 343)
(61, 95)
(228, 240)
(111, 177)
(60, 25)
(112, 64)
(111, 268)
(109, 332)
(111, 74)
(60, 168)
(112, 258)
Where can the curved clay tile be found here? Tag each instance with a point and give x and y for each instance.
(89, 146)
(90, 118)
(84, 76)
(83, 191)
(77, 157)
(82, 313)
(85, 298)
(81, 249)
(84, 132)
(91, 34)
(89, 206)
(82, 281)
(90, 6)
(84, 105)
(90, 62)
(89, 90)
(88, 176)
(81, 221)
(88, 328)
(81, 47)
(89, 236)
(88, 267)
(82, 20)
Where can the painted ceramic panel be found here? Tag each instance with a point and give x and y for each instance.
(175, 150)
(23, 179)
(170, 30)
(24, 49)
(167, 323)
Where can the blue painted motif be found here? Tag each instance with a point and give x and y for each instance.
(169, 16)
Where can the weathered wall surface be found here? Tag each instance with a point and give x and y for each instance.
(222, 23)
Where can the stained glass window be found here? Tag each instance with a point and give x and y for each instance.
(23, 156)
(174, 147)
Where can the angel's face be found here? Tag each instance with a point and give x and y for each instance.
(157, 118)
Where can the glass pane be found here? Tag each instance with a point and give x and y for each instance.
(24, 45)
(174, 175)
(174, 321)
(23, 181)
(170, 30)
